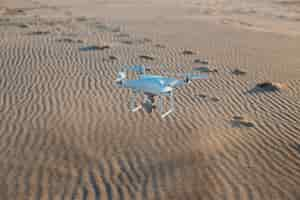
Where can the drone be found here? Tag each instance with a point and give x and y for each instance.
(151, 86)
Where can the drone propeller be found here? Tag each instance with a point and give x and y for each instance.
(187, 76)
(137, 68)
(121, 76)
(196, 76)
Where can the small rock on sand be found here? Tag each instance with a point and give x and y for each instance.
(14, 11)
(188, 52)
(205, 69)
(215, 99)
(69, 40)
(239, 121)
(146, 57)
(160, 46)
(113, 58)
(94, 48)
(203, 62)
(269, 87)
(127, 42)
(39, 33)
(238, 72)
(81, 19)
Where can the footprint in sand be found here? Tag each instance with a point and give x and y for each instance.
(238, 72)
(206, 97)
(215, 99)
(138, 41)
(128, 42)
(7, 22)
(22, 25)
(160, 46)
(188, 52)
(113, 58)
(81, 19)
(94, 48)
(69, 40)
(14, 11)
(240, 122)
(110, 58)
(39, 33)
(202, 96)
(146, 57)
(205, 69)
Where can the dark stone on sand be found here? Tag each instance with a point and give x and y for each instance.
(203, 62)
(94, 48)
(69, 40)
(160, 46)
(146, 57)
(113, 58)
(239, 122)
(205, 69)
(215, 99)
(246, 124)
(188, 52)
(238, 117)
(23, 25)
(14, 11)
(238, 72)
(39, 33)
(203, 96)
(127, 42)
(110, 58)
(268, 87)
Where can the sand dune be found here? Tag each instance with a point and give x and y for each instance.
(66, 130)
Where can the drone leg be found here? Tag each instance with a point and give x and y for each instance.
(160, 104)
(172, 102)
(133, 107)
(172, 107)
(132, 101)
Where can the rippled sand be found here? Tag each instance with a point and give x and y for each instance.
(67, 133)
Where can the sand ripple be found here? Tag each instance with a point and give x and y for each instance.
(66, 131)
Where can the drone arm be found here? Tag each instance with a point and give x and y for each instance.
(178, 83)
(188, 78)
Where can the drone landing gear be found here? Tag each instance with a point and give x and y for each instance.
(150, 102)
(133, 107)
(160, 105)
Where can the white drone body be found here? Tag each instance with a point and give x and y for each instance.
(151, 86)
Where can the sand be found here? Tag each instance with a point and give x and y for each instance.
(67, 133)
